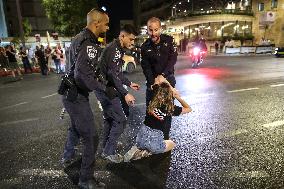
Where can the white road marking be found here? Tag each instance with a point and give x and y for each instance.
(42, 173)
(18, 121)
(3, 87)
(247, 174)
(241, 90)
(232, 133)
(12, 106)
(49, 95)
(4, 152)
(277, 85)
(274, 124)
(196, 95)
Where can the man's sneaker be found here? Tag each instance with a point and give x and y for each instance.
(117, 158)
(66, 162)
(129, 155)
(140, 154)
(91, 184)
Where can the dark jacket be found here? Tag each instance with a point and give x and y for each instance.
(84, 52)
(111, 66)
(159, 59)
(11, 56)
(4, 62)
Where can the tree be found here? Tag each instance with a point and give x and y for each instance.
(27, 27)
(68, 16)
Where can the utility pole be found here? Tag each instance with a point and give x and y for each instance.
(20, 19)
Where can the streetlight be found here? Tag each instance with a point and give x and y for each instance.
(104, 8)
(173, 11)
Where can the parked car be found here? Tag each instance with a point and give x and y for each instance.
(279, 51)
(129, 64)
(131, 59)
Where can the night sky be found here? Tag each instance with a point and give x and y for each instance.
(117, 10)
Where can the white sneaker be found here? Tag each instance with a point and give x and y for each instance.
(140, 154)
(134, 154)
(117, 158)
(129, 155)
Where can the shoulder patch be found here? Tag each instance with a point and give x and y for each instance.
(117, 56)
(92, 52)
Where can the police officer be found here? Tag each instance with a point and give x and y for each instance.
(159, 55)
(115, 105)
(84, 53)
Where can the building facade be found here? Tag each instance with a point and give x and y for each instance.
(32, 10)
(243, 20)
(268, 21)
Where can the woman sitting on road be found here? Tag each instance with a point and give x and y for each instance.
(150, 139)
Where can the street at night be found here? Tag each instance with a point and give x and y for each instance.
(233, 138)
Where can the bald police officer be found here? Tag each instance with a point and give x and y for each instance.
(84, 53)
(159, 55)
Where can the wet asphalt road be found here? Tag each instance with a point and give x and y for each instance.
(232, 139)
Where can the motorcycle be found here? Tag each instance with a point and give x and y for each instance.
(197, 56)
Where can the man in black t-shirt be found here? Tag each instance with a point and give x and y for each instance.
(41, 60)
(13, 64)
(25, 60)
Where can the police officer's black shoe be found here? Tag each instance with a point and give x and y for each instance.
(65, 162)
(91, 184)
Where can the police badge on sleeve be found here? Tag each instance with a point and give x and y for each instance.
(117, 56)
(92, 52)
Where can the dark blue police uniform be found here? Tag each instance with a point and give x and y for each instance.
(115, 109)
(84, 53)
(159, 59)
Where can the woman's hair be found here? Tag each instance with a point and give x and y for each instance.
(163, 98)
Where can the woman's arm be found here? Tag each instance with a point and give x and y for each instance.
(185, 107)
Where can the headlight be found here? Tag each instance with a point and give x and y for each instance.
(196, 51)
(276, 49)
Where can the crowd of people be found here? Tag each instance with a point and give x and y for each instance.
(94, 69)
(46, 58)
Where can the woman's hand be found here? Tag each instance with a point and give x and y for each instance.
(160, 79)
